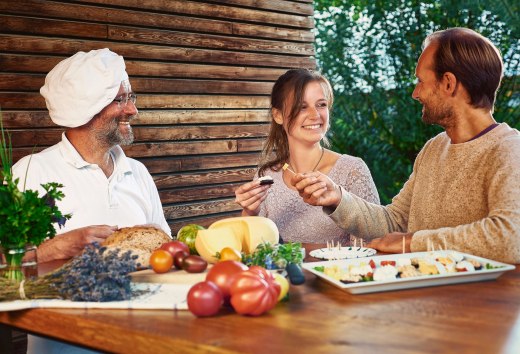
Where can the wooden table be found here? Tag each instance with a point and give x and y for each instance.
(481, 317)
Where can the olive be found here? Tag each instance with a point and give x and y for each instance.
(194, 264)
(178, 258)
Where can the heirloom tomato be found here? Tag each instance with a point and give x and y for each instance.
(267, 276)
(205, 299)
(252, 295)
(222, 274)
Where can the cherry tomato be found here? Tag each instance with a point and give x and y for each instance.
(205, 299)
(178, 259)
(230, 254)
(194, 264)
(222, 274)
(175, 246)
(161, 261)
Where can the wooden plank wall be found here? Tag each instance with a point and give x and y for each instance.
(203, 71)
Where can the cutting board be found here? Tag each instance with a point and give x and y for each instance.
(174, 276)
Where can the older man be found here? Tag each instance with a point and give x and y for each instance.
(464, 192)
(90, 95)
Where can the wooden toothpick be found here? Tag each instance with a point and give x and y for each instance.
(286, 167)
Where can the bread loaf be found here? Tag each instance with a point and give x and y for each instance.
(141, 240)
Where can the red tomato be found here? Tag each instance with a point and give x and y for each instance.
(372, 264)
(252, 295)
(205, 299)
(267, 276)
(222, 274)
(175, 246)
(383, 263)
(178, 259)
(194, 264)
(161, 261)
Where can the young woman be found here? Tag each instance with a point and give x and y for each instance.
(300, 105)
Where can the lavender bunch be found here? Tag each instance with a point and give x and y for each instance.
(96, 275)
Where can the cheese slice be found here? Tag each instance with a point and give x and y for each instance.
(209, 242)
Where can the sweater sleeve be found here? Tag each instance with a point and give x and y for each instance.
(369, 220)
(496, 236)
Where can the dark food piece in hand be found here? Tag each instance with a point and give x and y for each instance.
(266, 180)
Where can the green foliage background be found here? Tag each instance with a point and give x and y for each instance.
(369, 48)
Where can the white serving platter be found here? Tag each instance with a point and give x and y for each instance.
(409, 283)
(335, 253)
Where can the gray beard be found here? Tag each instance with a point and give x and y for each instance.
(112, 136)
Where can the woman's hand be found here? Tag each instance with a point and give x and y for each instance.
(317, 189)
(250, 196)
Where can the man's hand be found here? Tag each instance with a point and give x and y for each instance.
(392, 242)
(317, 189)
(69, 244)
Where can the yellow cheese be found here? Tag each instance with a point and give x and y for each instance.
(209, 242)
(238, 225)
(250, 230)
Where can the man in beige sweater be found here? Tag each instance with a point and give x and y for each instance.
(464, 191)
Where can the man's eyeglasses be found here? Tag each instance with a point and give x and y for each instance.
(122, 101)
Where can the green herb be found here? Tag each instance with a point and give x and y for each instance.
(490, 266)
(275, 256)
(25, 216)
(320, 269)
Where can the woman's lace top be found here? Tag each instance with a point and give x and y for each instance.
(298, 221)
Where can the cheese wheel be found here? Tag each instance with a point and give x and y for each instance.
(250, 230)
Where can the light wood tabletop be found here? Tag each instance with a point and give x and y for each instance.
(481, 317)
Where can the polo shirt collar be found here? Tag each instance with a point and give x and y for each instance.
(72, 156)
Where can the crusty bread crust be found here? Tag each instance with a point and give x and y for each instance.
(142, 241)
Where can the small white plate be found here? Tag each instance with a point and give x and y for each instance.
(342, 253)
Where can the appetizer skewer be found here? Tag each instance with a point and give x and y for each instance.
(286, 167)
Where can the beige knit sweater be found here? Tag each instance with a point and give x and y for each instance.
(465, 196)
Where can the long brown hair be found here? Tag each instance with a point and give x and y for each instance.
(474, 61)
(292, 84)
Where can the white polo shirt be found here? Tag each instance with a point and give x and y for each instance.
(128, 197)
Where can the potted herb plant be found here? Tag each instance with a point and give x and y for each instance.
(26, 218)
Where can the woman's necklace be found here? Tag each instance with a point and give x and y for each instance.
(317, 163)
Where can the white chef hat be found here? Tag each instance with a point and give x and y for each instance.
(79, 87)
